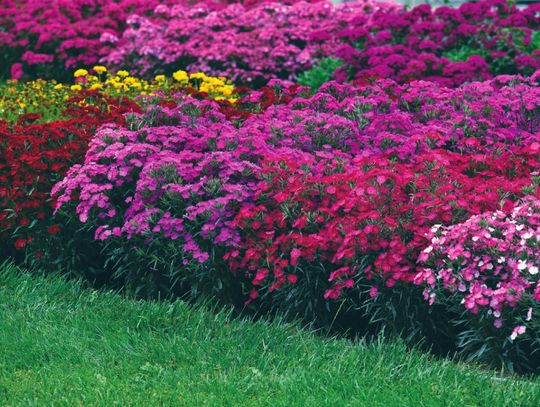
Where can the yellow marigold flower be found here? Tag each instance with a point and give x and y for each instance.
(227, 90)
(214, 81)
(122, 73)
(95, 86)
(197, 75)
(58, 86)
(99, 69)
(130, 80)
(80, 72)
(160, 78)
(180, 76)
(76, 87)
(22, 105)
(205, 88)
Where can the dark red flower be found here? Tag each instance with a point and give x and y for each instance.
(20, 244)
(54, 229)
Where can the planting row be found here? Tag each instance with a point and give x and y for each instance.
(259, 41)
(412, 206)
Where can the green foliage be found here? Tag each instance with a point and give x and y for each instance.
(137, 266)
(63, 345)
(535, 41)
(479, 341)
(463, 53)
(518, 37)
(501, 64)
(320, 73)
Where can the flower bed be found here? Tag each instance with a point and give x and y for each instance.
(445, 45)
(401, 197)
(341, 187)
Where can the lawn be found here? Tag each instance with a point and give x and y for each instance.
(62, 344)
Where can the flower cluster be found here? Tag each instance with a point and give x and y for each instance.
(250, 46)
(34, 156)
(44, 39)
(447, 45)
(181, 174)
(488, 263)
(121, 83)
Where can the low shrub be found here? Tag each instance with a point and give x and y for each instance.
(486, 270)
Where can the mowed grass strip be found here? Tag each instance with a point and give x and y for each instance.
(61, 344)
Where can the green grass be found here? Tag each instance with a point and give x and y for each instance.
(61, 344)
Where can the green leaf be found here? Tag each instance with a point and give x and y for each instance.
(320, 73)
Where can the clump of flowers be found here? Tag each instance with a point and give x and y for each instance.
(489, 264)
(484, 271)
(248, 45)
(121, 83)
(447, 45)
(34, 156)
(182, 172)
(366, 39)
